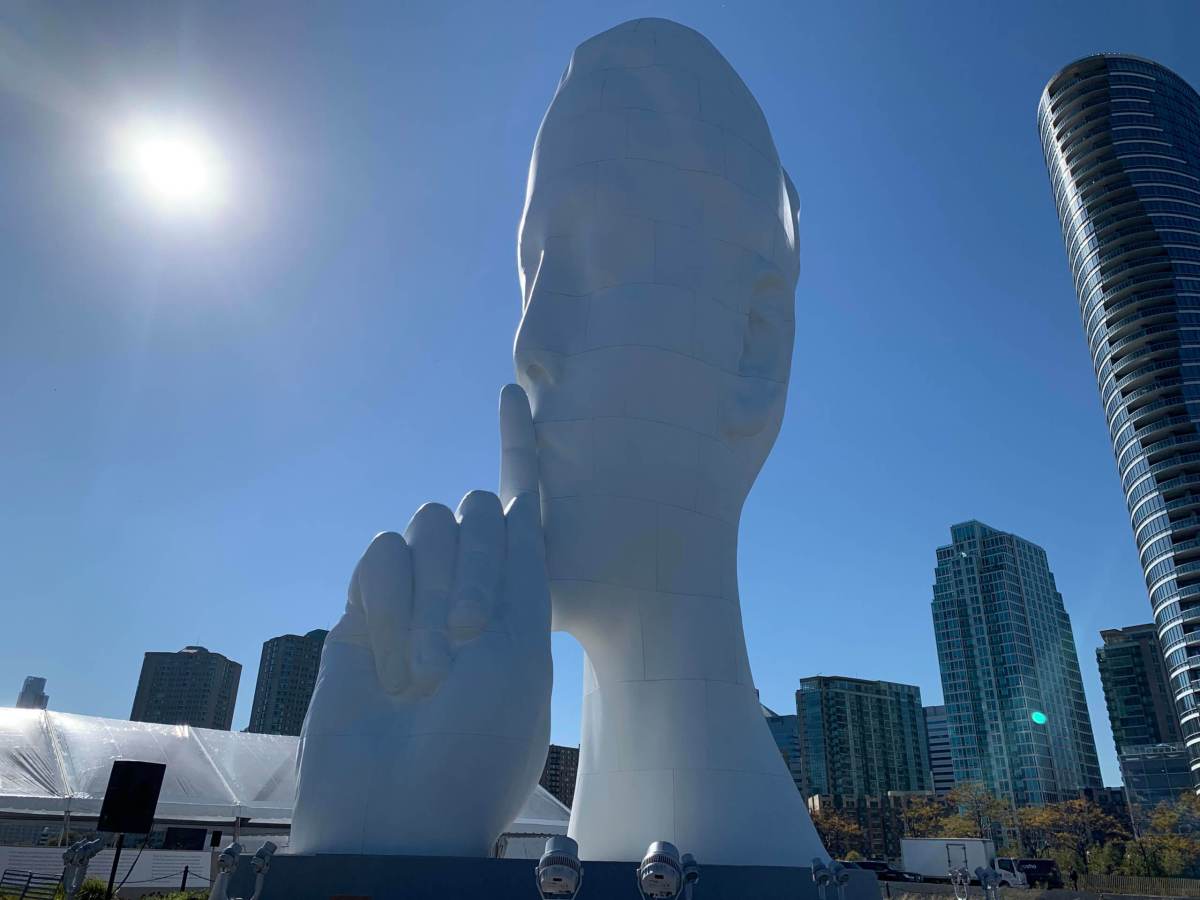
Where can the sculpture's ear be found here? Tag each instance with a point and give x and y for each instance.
(770, 327)
(766, 358)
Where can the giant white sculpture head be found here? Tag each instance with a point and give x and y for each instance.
(658, 258)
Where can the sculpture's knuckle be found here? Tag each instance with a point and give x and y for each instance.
(387, 540)
(481, 496)
(478, 504)
(433, 509)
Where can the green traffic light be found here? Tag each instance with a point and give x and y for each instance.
(1039, 717)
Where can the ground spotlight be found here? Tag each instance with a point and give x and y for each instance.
(821, 875)
(226, 864)
(691, 874)
(961, 879)
(75, 864)
(661, 873)
(841, 877)
(559, 872)
(261, 863)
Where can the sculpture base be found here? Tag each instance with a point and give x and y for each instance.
(338, 877)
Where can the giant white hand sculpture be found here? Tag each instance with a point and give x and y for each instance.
(430, 719)
(658, 258)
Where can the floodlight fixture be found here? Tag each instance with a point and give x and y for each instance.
(841, 877)
(821, 875)
(559, 872)
(691, 874)
(660, 875)
(75, 864)
(226, 865)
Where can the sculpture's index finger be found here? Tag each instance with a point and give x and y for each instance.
(526, 590)
(518, 445)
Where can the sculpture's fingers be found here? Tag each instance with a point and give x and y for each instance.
(383, 582)
(526, 592)
(432, 536)
(518, 445)
(481, 552)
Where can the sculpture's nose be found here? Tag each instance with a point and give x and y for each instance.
(540, 346)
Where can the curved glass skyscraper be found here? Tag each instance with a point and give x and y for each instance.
(1122, 142)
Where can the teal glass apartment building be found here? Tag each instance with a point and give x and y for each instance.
(1121, 137)
(861, 738)
(1015, 708)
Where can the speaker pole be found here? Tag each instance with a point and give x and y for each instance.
(112, 876)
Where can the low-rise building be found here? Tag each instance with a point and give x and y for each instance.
(1111, 801)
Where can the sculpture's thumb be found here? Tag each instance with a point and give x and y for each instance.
(518, 446)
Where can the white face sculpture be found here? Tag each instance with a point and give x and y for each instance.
(658, 257)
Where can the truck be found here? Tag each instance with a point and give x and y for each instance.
(1027, 872)
(936, 858)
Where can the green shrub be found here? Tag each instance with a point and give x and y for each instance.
(92, 889)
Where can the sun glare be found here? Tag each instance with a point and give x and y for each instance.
(176, 167)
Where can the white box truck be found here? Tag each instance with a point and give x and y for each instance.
(936, 858)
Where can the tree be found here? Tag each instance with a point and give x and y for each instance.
(1069, 830)
(924, 817)
(1170, 844)
(1180, 817)
(1106, 859)
(839, 833)
(979, 811)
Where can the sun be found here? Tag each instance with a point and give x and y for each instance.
(177, 168)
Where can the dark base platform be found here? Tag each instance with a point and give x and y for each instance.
(337, 877)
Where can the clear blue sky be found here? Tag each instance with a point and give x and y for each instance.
(202, 425)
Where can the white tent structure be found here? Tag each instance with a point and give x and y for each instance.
(54, 765)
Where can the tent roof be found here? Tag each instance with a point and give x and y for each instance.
(51, 762)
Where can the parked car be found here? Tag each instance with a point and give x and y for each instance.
(883, 870)
(1037, 872)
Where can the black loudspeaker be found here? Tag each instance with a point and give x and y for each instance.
(131, 797)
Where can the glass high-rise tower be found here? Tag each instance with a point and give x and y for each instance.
(192, 687)
(861, 738)
(1121, 137)
(941, 763)
(287, 677)
(1135, 688)
(1015, 706)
